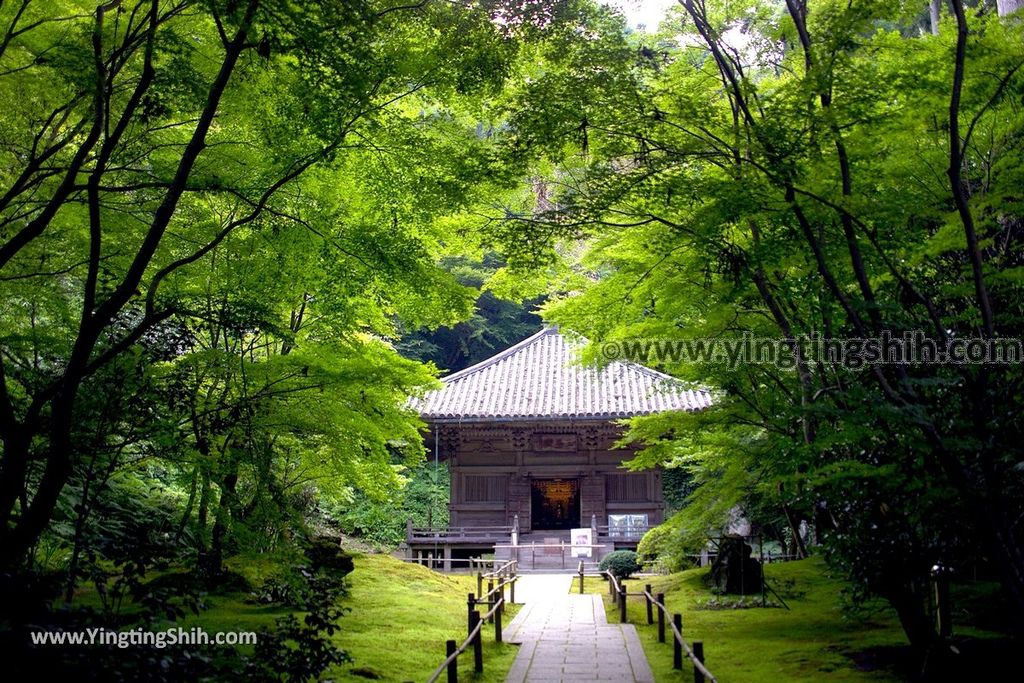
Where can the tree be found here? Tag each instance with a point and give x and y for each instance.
(815, 175)
(159, 153)
(497, 323)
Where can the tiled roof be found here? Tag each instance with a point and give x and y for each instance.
(538, 379)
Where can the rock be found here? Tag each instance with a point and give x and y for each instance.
(365, 672)
(326, 554)
(734, 570)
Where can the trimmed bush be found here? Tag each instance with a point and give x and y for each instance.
(621, 563)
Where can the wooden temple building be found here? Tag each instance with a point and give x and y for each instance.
(529, 436)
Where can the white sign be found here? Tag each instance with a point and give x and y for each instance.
(582, 539)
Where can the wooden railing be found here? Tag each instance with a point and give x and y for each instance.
(456, 533)
(428, 559)
(495, 598)
(617, 589)
(630, 533)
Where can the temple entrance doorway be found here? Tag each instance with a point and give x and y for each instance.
(555, 504)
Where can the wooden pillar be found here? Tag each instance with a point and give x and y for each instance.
(453, 666)
(698, 653)
(677, 648)
(661, 619)
(499, 606)
(478, 642)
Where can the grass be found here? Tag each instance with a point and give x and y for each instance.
(401, 616)
(813, 641)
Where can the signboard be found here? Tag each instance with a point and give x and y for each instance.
(582, 539)
(632, 527)
(554, 443)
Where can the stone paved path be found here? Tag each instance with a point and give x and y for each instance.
(566, 637)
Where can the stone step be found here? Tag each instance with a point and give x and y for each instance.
(547, 559)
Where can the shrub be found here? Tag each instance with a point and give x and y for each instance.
(621, 563)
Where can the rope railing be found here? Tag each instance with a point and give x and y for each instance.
(495, 598)
(500, 588)
(489, 614)
(507, 569)
(617, 589)
(695, 654)
(453, 655)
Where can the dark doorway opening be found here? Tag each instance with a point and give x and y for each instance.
(555, 503)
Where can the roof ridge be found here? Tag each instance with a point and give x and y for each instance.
(487, 362)
(650, 371)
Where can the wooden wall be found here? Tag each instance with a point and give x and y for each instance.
(492, 466)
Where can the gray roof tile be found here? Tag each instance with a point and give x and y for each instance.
(539, 379)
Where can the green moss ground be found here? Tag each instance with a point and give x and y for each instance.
(815, 640)
(401, 616)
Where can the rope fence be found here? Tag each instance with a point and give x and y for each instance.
(618, 592)
(495, 598)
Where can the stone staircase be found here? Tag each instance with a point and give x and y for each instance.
(548, 552)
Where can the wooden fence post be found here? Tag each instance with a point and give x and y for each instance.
(698, 653)
(650, 607)
(490, 593)
(470, 606)
(497, 619)
(677, 647)
(453, 666)
(940, 585)
(661, 618)
(479, 583)
(478, 642)
(622, 602)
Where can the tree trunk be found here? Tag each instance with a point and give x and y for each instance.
(935, 13)
(909, 606)
(203, 515)
(213, 563)
(189, 506)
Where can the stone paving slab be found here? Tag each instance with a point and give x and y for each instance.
(566, 637)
